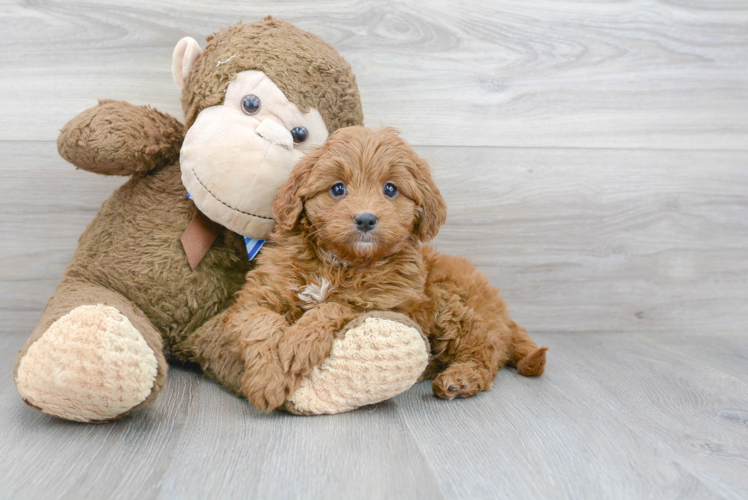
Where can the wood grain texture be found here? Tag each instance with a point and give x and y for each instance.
(369, 453)
(594, 159)
(603, 240)
(642, 74)
(579, 240)
(615, 416)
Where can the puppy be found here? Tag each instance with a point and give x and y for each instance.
(351, 220)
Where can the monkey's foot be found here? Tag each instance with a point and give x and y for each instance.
(91, 365)
(376, 357)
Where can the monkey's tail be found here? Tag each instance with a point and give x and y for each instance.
(525, 354)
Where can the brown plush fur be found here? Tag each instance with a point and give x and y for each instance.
(131, 256)
(117, 138)
(284, 334)
(303, 66)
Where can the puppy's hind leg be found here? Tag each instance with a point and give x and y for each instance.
(472, 335)
(462, 351)
(525, 355)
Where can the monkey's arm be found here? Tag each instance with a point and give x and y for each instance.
(117, 138)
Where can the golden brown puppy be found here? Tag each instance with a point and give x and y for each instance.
(351, 221)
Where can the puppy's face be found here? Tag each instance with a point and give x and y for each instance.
(365, 193)
(362, 203)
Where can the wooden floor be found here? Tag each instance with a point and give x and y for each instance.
(615, 416)
(594, 158)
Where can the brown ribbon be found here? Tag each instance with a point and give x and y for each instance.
(200, 234)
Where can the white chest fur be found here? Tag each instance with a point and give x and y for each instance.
(315, 293)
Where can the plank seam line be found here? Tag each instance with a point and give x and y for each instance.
(455, 146)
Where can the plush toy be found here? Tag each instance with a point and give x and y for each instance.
(160, 263)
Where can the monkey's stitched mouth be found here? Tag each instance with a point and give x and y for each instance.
(223, 202)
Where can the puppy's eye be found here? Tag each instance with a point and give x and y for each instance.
(338, 190)
(251, 104)
(299, 134)
(390, 190)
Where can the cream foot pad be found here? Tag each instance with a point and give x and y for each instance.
(90, 365)
(376, 360)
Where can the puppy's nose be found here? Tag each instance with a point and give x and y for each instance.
(365, 222)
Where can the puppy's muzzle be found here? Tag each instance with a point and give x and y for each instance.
(365, 222)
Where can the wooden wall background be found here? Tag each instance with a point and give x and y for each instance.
(594, 155)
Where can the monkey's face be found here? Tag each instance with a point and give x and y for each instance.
(236, 156)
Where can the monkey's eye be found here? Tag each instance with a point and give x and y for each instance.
(390, 190)
(337, 190)
(299, 134)
(251, 104)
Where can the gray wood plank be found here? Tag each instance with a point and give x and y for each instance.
(603, 240)
(615, 416)
(368, 453)
(579, 240)
(728, 352)
(47, 205)
(490, 73)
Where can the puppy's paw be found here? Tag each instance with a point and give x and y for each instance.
(265, 388)
(460, 380)
(300, 352)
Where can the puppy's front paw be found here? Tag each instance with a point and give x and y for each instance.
(460, 380)
(300, 351)
(264, 387)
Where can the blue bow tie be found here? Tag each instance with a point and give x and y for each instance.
(253, 246)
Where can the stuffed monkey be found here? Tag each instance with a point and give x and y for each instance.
(157, 267)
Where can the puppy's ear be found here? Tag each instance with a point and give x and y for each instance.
(290, 202)
(432, 211)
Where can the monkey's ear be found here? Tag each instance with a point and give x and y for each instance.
(290, 200)
(432, 210)
(185, 54)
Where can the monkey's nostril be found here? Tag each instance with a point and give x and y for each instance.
(365, 222)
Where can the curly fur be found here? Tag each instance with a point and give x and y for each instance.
(319, 272)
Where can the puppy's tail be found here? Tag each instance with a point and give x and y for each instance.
(525, 355)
